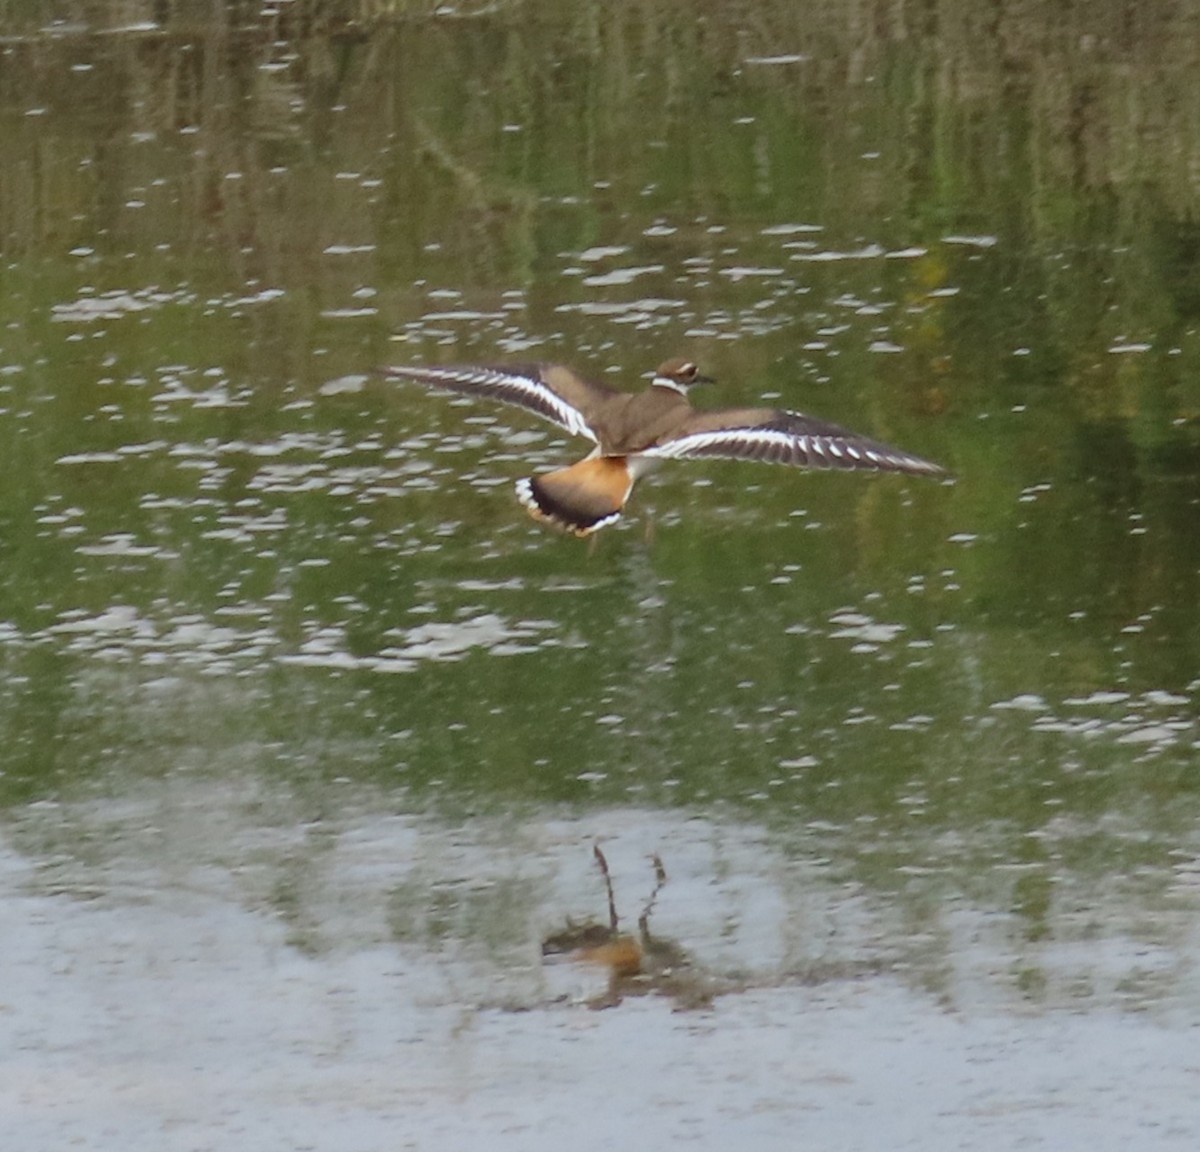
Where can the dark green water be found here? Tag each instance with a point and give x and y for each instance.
(276, 636)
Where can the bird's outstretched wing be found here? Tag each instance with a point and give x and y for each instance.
(551, 391)
(779, 437)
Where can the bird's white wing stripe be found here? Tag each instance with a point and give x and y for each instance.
(696, 442)
(516, 389)
(806, 448)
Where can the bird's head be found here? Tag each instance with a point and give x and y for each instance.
(679, 374)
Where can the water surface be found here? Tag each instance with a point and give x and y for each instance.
(309, 732)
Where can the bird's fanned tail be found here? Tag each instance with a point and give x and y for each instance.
(580, 499)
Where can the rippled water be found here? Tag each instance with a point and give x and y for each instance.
(309, 732)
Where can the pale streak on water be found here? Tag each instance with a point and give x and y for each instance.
(206, 955)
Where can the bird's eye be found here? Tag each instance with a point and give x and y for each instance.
(687, 370)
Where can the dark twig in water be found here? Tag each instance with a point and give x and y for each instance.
(660, 878)
(613, 919)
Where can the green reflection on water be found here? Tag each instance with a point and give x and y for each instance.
(215, 555)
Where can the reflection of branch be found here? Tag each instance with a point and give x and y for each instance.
(467, 178)
(660, 878)
(498, 214)
(612, 904)
(490, 205)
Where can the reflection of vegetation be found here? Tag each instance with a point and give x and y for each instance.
(297, 184)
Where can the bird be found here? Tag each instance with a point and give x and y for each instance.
(633, 432)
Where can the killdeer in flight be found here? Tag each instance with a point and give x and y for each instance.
(633, 432)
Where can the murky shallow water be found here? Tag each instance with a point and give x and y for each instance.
(308, 733)
(207, 960)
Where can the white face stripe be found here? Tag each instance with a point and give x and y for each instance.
(524, 391)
